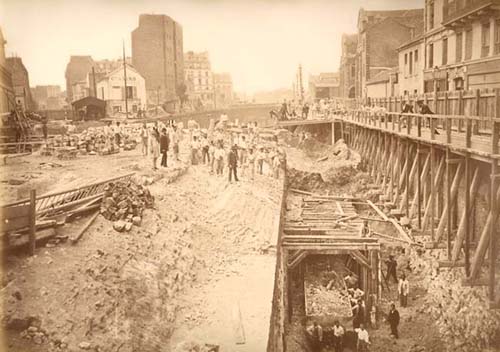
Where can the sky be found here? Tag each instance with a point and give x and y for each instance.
(260, 42)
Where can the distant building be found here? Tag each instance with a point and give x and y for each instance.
(326, 85)
(384, 84)
(411, 57)
(380, 34)
(48, 97)
(76, 76)
(199, 79)
(100, 69)
(224, 94)
(347, 72)
(462, 42)
(112, 90)
(276, 96)
(6, 89)
(157, 54)
(20, 82)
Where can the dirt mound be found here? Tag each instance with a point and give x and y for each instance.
(307, 181)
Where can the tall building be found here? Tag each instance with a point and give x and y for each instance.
(6, 89)
(347, 72)
(199, 79)
(380, 34)
(462, 44)
(223, 87)
(20, 82)
(411, 57)
(76, 76)
(47, 97)
(157, 54)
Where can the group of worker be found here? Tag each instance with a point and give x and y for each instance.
(322, 108)
(334, 336)
(158, 140)
(235, 152)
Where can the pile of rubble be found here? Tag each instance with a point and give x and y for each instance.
(124, 202)
(461, 313)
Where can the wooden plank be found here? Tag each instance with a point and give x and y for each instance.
(401, 231)
(377, 210)
(16, 211)
(239, 331)
(32, 222)
(74, 239)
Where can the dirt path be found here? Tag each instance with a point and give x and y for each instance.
(131, 291)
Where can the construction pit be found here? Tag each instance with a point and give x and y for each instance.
(200, 273)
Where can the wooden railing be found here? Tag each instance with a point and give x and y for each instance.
(455, 131)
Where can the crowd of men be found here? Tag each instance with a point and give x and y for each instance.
(234, 151)
(293, 110)
(334, 336)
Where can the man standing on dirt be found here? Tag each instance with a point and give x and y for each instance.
(164, 142)
(232, 161)
(315, 333)
(392, 265)
(144, 139)
(363, 338)
(338, 337)
(174, 139)
(393, 319)
(403, 290)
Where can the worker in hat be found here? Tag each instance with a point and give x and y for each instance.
(232, 161)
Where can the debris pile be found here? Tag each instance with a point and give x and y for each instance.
(124, 202)
(325, 292)
(460, 312)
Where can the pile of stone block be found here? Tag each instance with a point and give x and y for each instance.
(124, 202)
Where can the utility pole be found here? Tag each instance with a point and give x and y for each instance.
(94, 84)
(301, 87)
(157, 99)
(125, 80)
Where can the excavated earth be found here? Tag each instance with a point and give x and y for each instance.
(155, 288)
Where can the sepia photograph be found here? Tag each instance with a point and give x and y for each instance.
(249, 175)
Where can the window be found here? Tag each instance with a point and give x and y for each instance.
(431, 15)
(130, 92)
(431, 56)
(445, 51)
(485, 39)
(411, 63)
(497, 37)
(353, 70)
(458, 48)
(406, 59)
(468, 44)
(415, 56)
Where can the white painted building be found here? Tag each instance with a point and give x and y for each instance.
(111, 88)
(411, 63)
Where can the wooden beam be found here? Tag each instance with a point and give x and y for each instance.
(430, 203)
(297, 259)
(361, 259)
(377, 210)
(453, 194)
(457, 246)
(450, 264)
(32, 222)
(420, 179)
(484, 242)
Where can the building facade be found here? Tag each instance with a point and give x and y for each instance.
(76, 73)
(223, 87)
(326, 85)
(48, 97)
(383, 85)
(411, 64)
(112, 89)
(6, 89)
(20, 82)
(462, 43)
(380, 34)
(347, 70)
(157, 54)
(199, 79)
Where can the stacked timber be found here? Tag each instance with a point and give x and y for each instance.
(124, 202)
